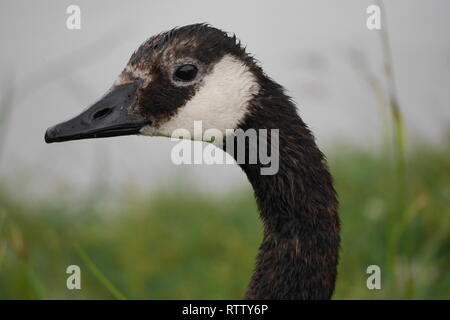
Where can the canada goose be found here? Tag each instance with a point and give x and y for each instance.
(198, 72)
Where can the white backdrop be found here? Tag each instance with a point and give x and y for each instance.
(307, 46)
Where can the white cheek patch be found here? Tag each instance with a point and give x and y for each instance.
(220, 103)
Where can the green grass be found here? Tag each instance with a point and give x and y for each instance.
(186, 246)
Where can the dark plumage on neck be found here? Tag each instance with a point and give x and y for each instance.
(299, 253)
(298, 206)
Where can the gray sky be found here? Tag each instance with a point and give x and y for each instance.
(307, 46)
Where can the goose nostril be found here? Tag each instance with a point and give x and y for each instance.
(102, 113)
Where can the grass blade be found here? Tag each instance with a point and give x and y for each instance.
(98, 274)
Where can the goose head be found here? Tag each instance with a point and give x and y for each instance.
(200, 73)
(192, 73)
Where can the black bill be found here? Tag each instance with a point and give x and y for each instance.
(108, 117)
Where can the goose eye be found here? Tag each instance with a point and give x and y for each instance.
(186, 72)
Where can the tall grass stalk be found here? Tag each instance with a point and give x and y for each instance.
(359, 63)
(3, 245)
(398, 122)
(6, 104)
(98, 274)
(399, 149)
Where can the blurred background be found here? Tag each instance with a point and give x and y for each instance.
(142, 227)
